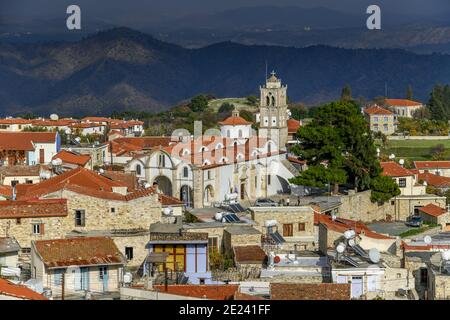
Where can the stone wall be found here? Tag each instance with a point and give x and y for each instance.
(234, 240)
(359, 207)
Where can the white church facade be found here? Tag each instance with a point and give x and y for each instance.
(236, 161)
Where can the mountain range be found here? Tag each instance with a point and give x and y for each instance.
(122, 68)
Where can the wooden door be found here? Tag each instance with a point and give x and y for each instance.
(41, 156)
(288, 230)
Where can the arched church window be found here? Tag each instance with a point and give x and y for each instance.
(268, 101)
(228, 134)
(138, 169)
(273, 101)
(240, 133)
(185, 172)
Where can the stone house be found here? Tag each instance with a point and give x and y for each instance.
(380, 120)
(9, 253)
(294, 223)
(433, 214)
(71, 267)
(236, 235)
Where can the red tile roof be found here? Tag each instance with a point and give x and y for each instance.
(235, 121)
(169, 201)
(293, 125)
(125, 144)
(393, 169)
(24, 140)
(6, 191)
(306, 291)
(10, 289)
(433, 210)
(81, 251)
(424, 165)
(15, 121)
(249, 254)
(53, 123)
(402, 102)
(377, 110)
(72, 157)
(79, 177)
(213, 292)
(341, 225)
(435, 180)
(37, 208)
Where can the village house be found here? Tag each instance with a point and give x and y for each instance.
(380, 120)
(403, 107)
(9, 257)
(85, 129)
(98, 152)
(291, 227)
(72, 267)
(413, 195)
(293, 126)
(28, 148)
(71, 160)
(439, 168)
(435, 215)
(14, 124)
(20, 174)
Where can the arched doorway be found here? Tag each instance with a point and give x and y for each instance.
(164, 185)
(208, 196)
(284, 186)
(186, 195)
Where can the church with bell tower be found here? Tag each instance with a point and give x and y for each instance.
(273, 111)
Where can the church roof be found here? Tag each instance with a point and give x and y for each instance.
(234, 121)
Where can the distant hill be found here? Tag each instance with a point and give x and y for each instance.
(124, 69)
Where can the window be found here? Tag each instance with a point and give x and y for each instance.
(375, 119)
(268, 180)
(38, 228)
(129, 253)
(138, 169)
(269, 148)
(288, 230)
(79, 218)
(240, 133)
(256, 182)
(185, 172)
(103, 272)
(18, 221)
(228, 134)
(162, 160)
(201, 281)
(402, 182)
(385, 127)
(386, 119)
(113, 210)
(57, 279)
(213, 244)
(301, 226)
(208, 174)
(25, 250)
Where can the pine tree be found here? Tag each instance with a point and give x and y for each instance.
(409, 93)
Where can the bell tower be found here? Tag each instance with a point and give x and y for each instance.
(273, 112)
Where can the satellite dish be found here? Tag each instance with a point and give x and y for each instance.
(147, 185)
(127, 278)
(101, 171)
(374, 255)
(378, 150)
(340, 248)
(57, 162)
(270, 223)
(54, 117)
(391, 156)
(68, 131)
(445, 255)
(218, 216)
(168, 211)
(351, 242)
(349, 234)
(78, 139)
(427, 239)
(401, 162)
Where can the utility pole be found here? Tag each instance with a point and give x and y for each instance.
(63, 285)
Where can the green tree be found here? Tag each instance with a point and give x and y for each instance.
(247, 115)
(199, 103)
(339, 135)
(226, 107)
(320, 176)
(252, 100)
(346, 94)
(439, 103)
(383, 189)
(409, 93)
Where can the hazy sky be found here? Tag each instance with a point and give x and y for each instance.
(121, 11)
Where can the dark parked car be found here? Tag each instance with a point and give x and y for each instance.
(414, 221)
(265, 203)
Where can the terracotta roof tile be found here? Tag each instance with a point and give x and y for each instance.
(433, 210)
(423, 165)
(78, 252)
(36, 208)
(293, 125)
(435, 180)
(377, 110)
(402, 102)
(393, 169)
(249, 254)
(8, 288)
(72, 157)
(303, 291)
(235, 121)
(24, 140)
